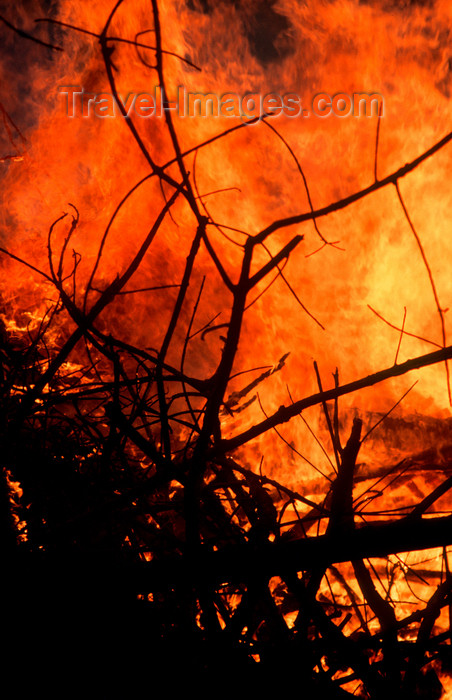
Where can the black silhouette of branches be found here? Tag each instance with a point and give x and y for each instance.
(141, 525)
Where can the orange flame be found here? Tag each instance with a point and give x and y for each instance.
(369, 286)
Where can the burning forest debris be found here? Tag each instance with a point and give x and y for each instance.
(216, 461)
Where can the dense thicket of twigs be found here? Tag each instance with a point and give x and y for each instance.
(154, 554)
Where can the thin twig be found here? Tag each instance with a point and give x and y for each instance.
(25, 35)
(432, 284)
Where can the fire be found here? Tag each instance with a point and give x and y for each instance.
(15, 495)
(96, 152)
